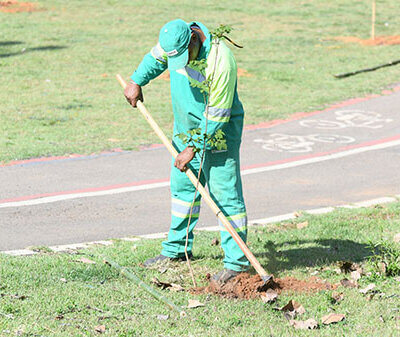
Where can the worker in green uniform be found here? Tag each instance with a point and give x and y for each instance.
(179, 43)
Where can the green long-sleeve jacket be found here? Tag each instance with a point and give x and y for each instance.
(225, 111)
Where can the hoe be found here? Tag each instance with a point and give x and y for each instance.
(252, 259)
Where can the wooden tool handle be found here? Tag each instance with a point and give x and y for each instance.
(205, 195)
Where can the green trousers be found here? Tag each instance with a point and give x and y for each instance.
(221, 172)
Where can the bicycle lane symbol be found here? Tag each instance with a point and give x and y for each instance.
(349, 119)
(281, 142)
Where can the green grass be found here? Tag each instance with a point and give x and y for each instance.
(95, 294)
(59, 94)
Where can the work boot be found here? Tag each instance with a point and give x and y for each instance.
(224, 275)
(162, 258)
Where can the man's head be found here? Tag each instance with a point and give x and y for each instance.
(180, 43)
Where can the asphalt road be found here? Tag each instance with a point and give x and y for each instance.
(348, 153)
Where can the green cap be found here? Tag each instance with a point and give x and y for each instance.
(174, 39)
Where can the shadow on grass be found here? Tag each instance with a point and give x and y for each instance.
(321, 252)
(28, 50)
(9, 43)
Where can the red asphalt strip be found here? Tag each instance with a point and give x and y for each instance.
(262, 125)
(146, 182)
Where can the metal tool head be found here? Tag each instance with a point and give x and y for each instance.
(267, 278)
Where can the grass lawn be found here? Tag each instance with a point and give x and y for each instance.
(51, 294)
(59, 94)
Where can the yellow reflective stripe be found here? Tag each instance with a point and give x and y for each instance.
(237, 216)
(218, 119)
(240, 229)
(185, 203)
(184, 216)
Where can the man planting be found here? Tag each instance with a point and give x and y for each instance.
(179, 44)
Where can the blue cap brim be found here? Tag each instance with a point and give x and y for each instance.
(178, 61)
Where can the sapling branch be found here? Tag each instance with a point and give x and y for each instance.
(194, 137)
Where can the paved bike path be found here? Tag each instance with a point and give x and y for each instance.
(347, 153)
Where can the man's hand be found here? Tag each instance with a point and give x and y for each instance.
(133, 93)
(184, 158)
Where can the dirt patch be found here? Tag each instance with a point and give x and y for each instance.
(248, 286)
(378, 41)
(13, 6)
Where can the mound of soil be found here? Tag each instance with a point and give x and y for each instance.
(248, 286)
(378, 41)
(13, 6)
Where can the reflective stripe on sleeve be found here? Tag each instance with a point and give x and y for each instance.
(219, 112)
(195, 75)
(158, 53)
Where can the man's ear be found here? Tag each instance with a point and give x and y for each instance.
(193, 37)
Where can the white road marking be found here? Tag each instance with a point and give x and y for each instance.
(321, 158)
(257, 222)
(62, 197)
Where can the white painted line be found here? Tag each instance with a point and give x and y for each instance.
(322, 158)
(62, 197)
(209, 229)
(19, 252)
(263, 221)
(374, 202)
(347, 206)
(130, 239)
(75, 246)
(324, 210)
(273, 219)
(72, 246)
(154, 236)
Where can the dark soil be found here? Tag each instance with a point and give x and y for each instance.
(248, 286)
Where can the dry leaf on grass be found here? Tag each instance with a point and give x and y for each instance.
(302, 225)
(194, 304)
(308, 324)
(367, 288)
(215, 242)
(176, 287)
(18, 297)
(63, 280)
(382, 267)
(85, 260)
(292, 309)
(355, 275)
(396, 238)
(298, 214)
(158, 283)
(348, 284)
(15, 296)
(166, 285)
(348, 267)
(270, 296)
(332, 318)
(100, 329)
(162, 317)
(337, 297)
